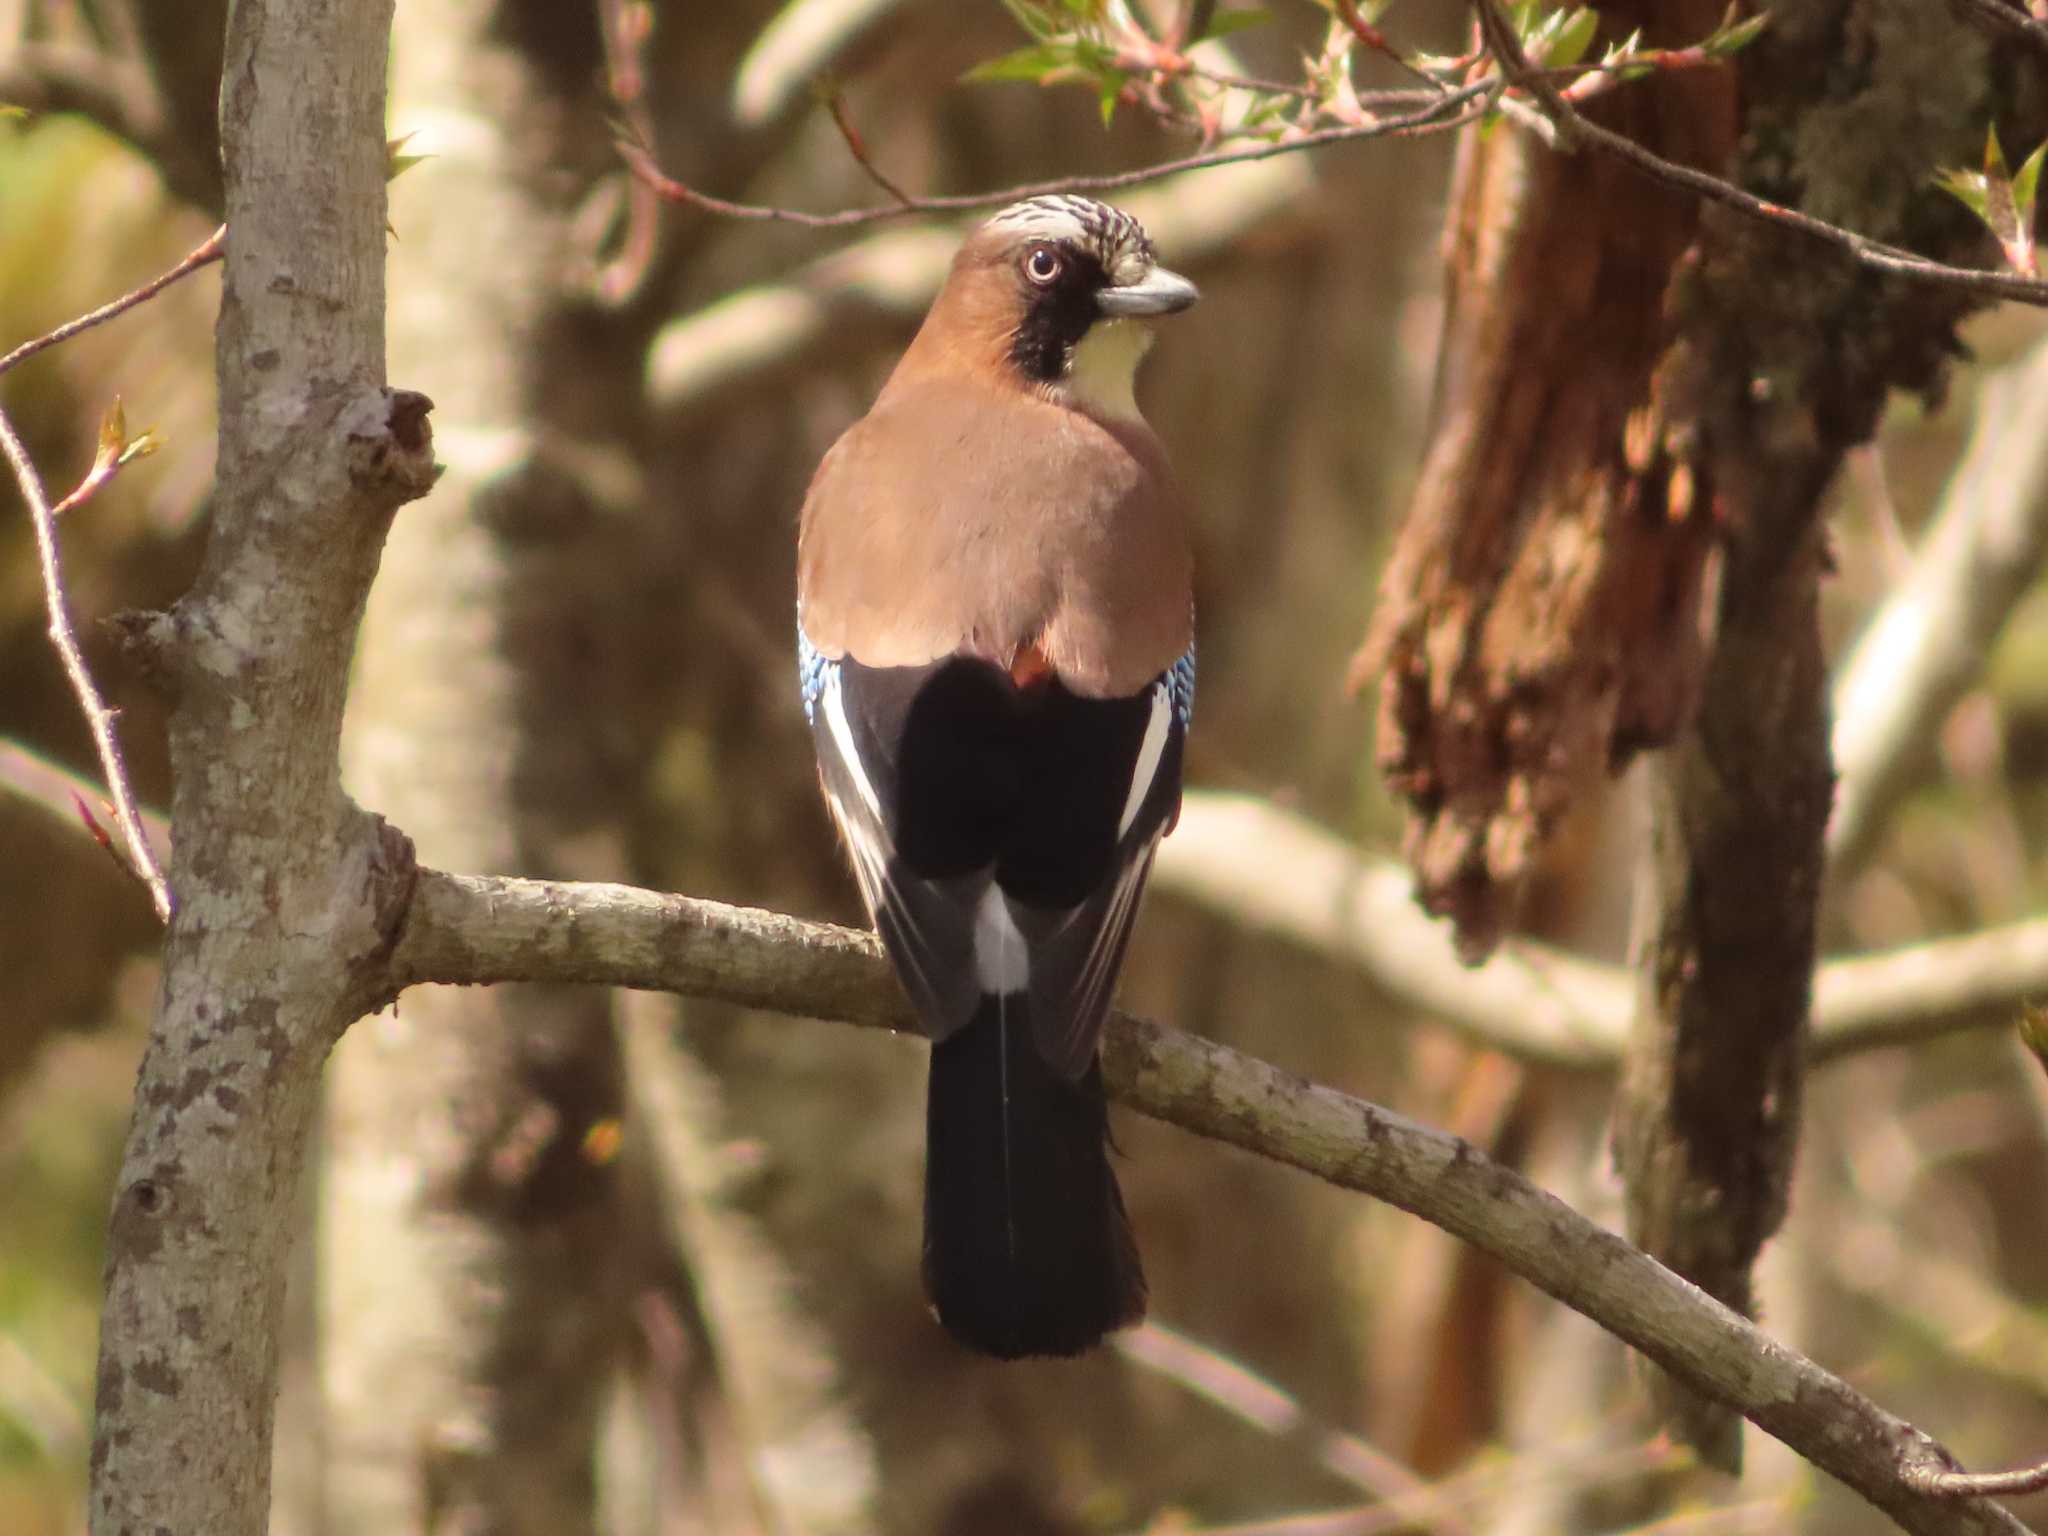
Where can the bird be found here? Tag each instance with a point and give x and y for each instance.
(995, 636)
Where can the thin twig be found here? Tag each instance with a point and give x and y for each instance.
(624, 25)
(1376, 40)
(64, 635)
(1243, 1394)
(1169, 65)
(57, 790)
(1440, 115)
(1990, 1485)
(207, 252)
(1506, 49)
(1874, 254)
(857, 147)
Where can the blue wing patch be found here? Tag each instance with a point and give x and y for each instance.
(1180, 687)
(813, 672)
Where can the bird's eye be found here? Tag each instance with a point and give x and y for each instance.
(1042, 264)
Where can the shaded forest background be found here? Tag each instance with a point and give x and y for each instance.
(578, 663)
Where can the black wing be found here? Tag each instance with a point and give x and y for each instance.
(1001, 835)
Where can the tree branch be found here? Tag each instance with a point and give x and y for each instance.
(470, 929)
(120, 96)
(1574, 130)
(1437, 114)
(896, 272)
(798, 44)
(1568, 130)
(114, 92)
(205, 253)
(1400, 1495)
(1529, 1000)
(1926, 647)
(1993, 1485)
(58, 791)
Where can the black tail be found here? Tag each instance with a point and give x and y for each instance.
(1027, 1250)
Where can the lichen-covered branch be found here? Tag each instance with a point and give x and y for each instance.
(473, 929)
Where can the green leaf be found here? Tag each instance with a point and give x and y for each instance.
(113, 433)
(2028, 182)
(1093, 55)
(1625, 49)
(2001, 208)
(1994, 156)
(1224, 23)
(140, 446)
(1034, 63)
(1265, 110)
(1110, 89)
(1994, 196)
(396, 161)
(1967, 188)
(1734, 36)
(1573, 36)
(9, 110)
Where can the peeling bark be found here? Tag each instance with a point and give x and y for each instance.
(1540, 617)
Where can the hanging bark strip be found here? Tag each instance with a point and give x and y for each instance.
(1540, 618)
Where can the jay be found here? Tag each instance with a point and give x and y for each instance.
(996, 647)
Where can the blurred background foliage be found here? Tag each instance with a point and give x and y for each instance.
(1294, 399)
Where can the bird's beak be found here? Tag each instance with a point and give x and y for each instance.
(1158, 292)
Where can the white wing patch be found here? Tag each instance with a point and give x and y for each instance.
(1002, 961)
(1150, 750)
(842, 738)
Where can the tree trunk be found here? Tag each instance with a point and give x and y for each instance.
(286, 891)
(1782, 361)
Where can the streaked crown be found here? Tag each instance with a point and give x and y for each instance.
(1110, 235)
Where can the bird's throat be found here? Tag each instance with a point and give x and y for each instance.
(1104, 370)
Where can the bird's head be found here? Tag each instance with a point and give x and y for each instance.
(1057, 292)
